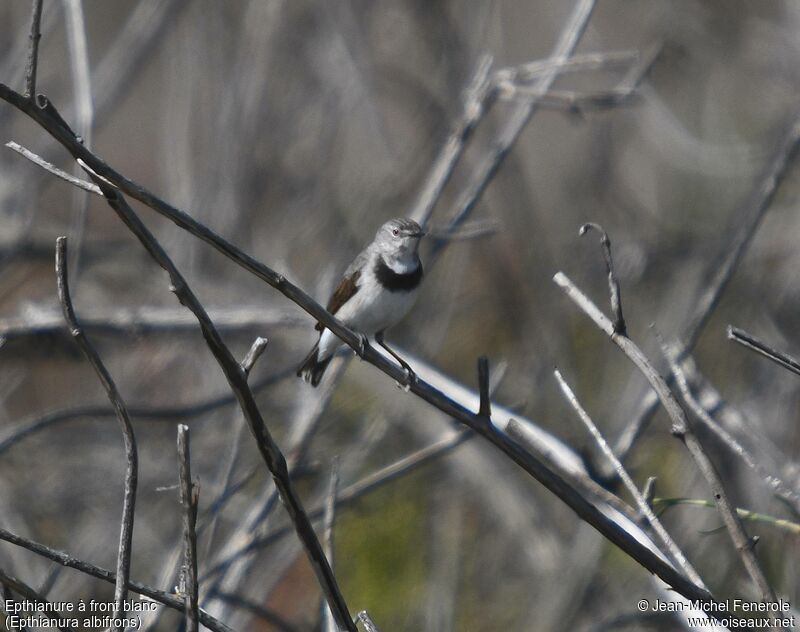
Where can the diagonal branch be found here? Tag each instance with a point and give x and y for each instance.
(270, 452)
(721, 271)
(22, 589)
(680, 428)
(66, 560)
(753, 343)
(673, 549)
(131, 473)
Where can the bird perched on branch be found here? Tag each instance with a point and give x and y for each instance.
(377, 290)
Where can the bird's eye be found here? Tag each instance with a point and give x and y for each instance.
(395, 232)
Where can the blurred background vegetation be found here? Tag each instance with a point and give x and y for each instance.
(294, 129)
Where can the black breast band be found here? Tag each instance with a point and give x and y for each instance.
(394, 281)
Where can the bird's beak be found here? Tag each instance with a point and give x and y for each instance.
(418, 233)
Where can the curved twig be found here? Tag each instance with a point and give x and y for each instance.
(131, 473)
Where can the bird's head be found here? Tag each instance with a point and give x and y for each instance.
(398, 239)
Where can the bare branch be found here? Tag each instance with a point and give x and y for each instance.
(363, 618)
(258, 347)
(47, 166)
(613, 281)
(780, 488)
(188, 495)
(270, 453)
(681, 429)
(751, 342)
(33, 51)
(31, 594)
(328, 624)
(644, 507)
(478, 100)
(518, 119)
(485, 409)
(721, 270)
(66, 560)
(131, 473)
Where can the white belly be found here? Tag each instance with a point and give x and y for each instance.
(368, 312)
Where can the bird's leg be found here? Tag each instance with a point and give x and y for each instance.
(410, 375)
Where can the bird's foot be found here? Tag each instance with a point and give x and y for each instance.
(363, 345)
(410, 377)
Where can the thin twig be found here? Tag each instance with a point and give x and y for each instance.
(485, 409)
(33, 51)
(131, 473)
(644, 507)
(680, 428)
(47, 166)
(269, 450)
(744, 514)
(258, 347)
(363, 618)
(581, 62)
(613, 281)
(478, 100)
(189, 497)
(721, 270)
(31, 594)
(751, 342)
(780, 488)
(328, 624)
(66, 560)
(518, 119)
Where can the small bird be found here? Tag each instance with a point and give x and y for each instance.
(377, 290)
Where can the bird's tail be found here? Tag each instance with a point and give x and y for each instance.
(312, 368)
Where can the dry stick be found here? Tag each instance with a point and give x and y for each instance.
(721, 272)
(258, 347)
(753, 343)
(172, 567)
(131, 473)
(270, 452)
(780, 488)
(328, 624)
(48, 166)
(680, 428)
(189, 497)
(22, 589)
(519, 118)
(478, 100)
(298, 446)
(644, 507)
(66, 560)
(485, 408)
(580, 62)
(363, 618)
(613, 282)
(33, 52)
